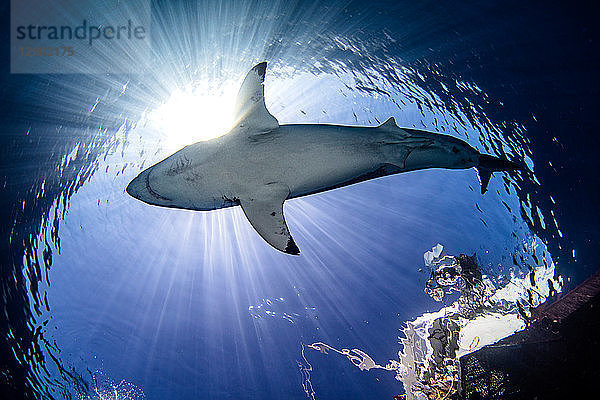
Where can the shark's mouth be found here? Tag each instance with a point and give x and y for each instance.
(152, 192)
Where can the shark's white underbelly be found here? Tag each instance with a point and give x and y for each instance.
(260, 163)
(313, 160)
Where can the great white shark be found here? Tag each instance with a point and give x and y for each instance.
(259, 163)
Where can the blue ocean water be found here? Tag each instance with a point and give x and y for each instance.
(105, 297)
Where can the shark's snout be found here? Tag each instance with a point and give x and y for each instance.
(141, 189)
(136, 187)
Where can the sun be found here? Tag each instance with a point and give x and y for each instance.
(195, 113)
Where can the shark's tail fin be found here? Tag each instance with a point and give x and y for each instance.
(489, 164)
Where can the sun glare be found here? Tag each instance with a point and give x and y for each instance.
(196, 113)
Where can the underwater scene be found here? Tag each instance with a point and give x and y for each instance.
(299, 200)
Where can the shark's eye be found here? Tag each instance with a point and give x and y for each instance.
(454, 149)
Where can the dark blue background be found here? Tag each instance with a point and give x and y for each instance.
(530, 59)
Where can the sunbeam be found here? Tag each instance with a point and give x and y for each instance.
(200, 111)
(195, 304)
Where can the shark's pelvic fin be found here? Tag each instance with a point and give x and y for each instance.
(389, 124)
(250, 108)
(264, 210)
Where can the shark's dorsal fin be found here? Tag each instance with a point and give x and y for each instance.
(264, 209)
(250, 110)
(390, 123)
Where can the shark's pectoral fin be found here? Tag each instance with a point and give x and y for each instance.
(264, 210)
(250, 109)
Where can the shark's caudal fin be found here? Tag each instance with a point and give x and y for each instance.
(489, 164)
(250, 109)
